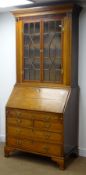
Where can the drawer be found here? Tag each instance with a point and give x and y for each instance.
(23, 133)
(49, 126)
(17, 113)
(41, 125)
(20, 122)
(38, 147)
(36, 115)
(48, 136)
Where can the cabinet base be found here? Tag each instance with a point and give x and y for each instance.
(59, 160)
(8, 151)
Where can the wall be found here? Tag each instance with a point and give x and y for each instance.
(82, 83)
(7, 64)
(8, 72)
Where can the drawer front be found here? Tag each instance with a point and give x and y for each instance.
(19, 132)
(39, 147)
(44, 116)
(23, 133)
(48, 136)
(49, 126)
(20, 122)
(41, 125)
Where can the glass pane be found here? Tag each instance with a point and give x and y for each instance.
(32, 52)
(26, 52)
(46, 74)
(26, 40)
(46, 40)
(52, 26)
(52, 51)
(52, 54)
(37, 28)
(31, 28)
(26, 75)
(58, 74)
(58, 45)
(37, 52)
(46, 27)
(26, 28)
(26, 61)
(58, 26)
(37, 41)
(46, 52)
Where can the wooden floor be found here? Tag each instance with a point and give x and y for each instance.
(28, 164)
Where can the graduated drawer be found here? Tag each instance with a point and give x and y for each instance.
(36, 115)
(48, 136)
(41, 125)
(49, 126)
(37, 147)
(18, 132)
(23, 133)
(20, 122)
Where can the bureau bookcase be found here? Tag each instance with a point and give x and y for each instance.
(42, 110)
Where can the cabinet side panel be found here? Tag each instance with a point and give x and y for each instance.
(74, 61)
(67, 50)
(71, 122)
(19, 50)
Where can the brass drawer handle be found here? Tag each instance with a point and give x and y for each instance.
(47, 135)
(19, 121)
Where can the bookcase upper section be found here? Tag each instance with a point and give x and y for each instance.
(47, 44)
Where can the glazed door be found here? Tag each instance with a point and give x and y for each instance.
(52, 51)
(44, 50)
(32, 51)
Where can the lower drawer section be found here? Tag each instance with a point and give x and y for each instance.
(37, 147)
(23, 133)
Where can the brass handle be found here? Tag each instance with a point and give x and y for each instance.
(47, 135)
(61, 118)
(19, 121)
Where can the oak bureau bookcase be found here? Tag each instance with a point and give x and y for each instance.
(42, 110)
